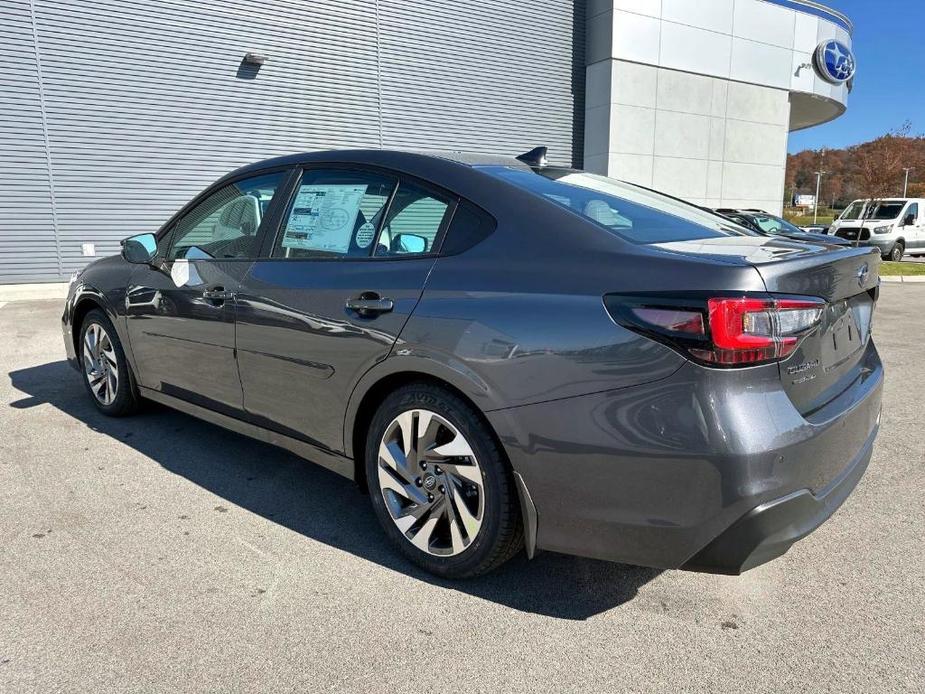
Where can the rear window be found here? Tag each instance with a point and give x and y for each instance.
(775, 225)
(628, 211)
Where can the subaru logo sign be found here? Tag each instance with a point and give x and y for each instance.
(834, 62)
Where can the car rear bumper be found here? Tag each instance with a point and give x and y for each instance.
(704, 469)
(769, 530)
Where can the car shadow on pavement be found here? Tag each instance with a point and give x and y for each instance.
(319, 504)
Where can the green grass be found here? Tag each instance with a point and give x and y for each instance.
(894, 269)
(807, 220)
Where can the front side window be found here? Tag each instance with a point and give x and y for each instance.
(335, 214)
(913, 211)
(225, 224)
(628, 211)
(853, 212)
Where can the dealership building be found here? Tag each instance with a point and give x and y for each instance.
(113, 113)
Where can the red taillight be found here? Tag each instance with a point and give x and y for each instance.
(750, 331)
(725, 331)
(673, 320)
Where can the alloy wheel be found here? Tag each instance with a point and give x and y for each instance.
(100, 365)
(431, 482)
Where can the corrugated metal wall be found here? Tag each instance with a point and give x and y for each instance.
(28, 242)
(113, 113)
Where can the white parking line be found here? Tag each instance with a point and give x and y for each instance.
(2, 304)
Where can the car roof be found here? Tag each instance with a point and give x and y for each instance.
(398, 159)
(863, 200)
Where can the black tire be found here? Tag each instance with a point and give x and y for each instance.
(501, 534)
(896, 253)
(126, 398)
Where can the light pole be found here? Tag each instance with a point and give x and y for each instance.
(906, 184)
(819, 175)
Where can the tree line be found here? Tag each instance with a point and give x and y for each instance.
(871, 170)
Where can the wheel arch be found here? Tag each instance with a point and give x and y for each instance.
(392, 374)
(87, 299)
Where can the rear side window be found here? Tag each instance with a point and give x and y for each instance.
(413, 224)
(358, 214)
(335, 214)
(628, 211)
(470, 225)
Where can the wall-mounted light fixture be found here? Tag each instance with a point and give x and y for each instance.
(255, 59)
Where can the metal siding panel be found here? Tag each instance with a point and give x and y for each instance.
(144, 104)
(145, 107)
(28, 247)
(490, 77)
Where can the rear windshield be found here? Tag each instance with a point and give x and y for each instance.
(630, 212)
(775, 225)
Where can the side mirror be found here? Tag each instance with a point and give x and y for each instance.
(408, 243)
(909, 220)
(139, 249)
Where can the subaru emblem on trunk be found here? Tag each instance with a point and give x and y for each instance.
(863, 272)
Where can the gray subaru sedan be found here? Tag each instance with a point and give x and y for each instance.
(508, 356)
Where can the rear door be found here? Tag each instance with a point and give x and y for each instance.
(180, 309)
(339, 280)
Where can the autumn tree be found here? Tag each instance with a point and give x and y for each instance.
(868, 170)
(880, 163)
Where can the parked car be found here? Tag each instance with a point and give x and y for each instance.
(815, 229)
(507, 355)
(772, 225)
(894, 226)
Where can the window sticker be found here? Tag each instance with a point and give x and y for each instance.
(365, 235)
(323, 217)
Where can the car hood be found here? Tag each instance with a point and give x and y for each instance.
(865, 224)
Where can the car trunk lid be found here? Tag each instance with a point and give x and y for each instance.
(829, 359)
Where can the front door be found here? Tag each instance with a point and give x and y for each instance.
(180, 310)
(343, 275)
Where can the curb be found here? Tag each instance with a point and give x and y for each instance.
(903, 279)
(33, 292)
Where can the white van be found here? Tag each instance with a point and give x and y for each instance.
(894, 225)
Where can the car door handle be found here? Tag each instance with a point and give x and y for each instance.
(217, 294)
(370, 304)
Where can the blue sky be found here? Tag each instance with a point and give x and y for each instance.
(888, 41)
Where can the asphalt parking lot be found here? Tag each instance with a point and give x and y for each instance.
(159, 553)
